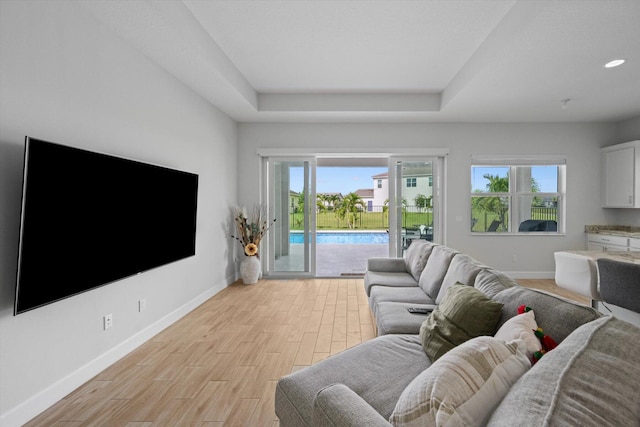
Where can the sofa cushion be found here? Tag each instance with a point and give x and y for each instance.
(491, 281)
(383, 278)
(435, 270)
(380, 294)
(521, 327)
(462, 269)
(394, 318)
(377, 370)
(464, 313)
(591, 379)
(416, 256)
(556, 316)
(464, 386)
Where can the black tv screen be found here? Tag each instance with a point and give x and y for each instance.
(89, 219)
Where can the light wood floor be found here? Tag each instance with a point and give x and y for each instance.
(218, 365)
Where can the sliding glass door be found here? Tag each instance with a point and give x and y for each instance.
(415, 192)
(291, 191)
(410, 197)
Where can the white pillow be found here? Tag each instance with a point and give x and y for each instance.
(521, 327)
(464, 386)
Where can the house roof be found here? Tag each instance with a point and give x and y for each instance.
(394, 61)
(365, 193)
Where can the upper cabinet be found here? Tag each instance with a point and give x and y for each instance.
(621, 175)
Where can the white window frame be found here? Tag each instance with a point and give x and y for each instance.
(515, 216)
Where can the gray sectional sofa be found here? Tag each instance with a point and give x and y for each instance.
(590, 379)
(421, 279)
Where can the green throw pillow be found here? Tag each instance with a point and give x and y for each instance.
(464, 313)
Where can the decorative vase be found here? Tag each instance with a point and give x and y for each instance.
(250, 270)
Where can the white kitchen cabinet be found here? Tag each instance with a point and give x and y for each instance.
(634, 244)
(621, 175)
(606, 243)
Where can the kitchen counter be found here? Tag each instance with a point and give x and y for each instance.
(614, 230)
(625, 256)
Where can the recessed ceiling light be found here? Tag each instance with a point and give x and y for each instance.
(614, 63)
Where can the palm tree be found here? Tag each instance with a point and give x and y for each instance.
(333, 200)
(321, 202)
(348, 208)
(495, 204)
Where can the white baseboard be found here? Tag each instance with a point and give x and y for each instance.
(530, 274)
(35, 405)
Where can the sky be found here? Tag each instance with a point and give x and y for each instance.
(545, 176)
(338, 179)
(347, 179)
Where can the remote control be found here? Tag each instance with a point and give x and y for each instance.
(419, 310)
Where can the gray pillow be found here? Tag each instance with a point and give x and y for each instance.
(491, 281)
(416, 256)
(464, 313)
(556, 316)
(463, 269)
(435, 270)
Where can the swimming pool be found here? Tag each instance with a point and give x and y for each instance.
(346, 238)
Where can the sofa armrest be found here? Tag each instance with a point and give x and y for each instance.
(338, 405)
(388, 265)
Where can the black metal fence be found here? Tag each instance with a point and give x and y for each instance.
(546, 214)
(374, 218)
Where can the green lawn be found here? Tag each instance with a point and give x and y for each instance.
(380, 220)
(364, 221)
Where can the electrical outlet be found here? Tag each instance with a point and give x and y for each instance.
(514, 258)
(108, 321)
(142, 304)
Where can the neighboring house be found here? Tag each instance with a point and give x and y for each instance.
(414, 182)
(380, 188)
(366, 194)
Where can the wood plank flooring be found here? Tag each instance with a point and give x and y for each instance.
(218, 366)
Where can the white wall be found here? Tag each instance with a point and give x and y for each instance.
(580, 142)
(64, 78)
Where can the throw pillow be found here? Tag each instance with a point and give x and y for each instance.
(464, 313)
(521, 327)
(463, 387)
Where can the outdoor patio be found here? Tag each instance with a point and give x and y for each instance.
(335, 260)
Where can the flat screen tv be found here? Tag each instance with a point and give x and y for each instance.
(89, 219)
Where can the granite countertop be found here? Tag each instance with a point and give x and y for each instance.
(614, 230)
(626, 256)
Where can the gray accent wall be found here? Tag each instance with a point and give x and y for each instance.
(65, 78)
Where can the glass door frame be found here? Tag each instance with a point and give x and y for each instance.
(309, 250)
(395, 203)
(437, 155)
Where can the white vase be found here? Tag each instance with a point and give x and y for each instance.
(250, 270)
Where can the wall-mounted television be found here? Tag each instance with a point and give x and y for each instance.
(89, 219)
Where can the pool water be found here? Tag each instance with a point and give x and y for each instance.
(353, 238)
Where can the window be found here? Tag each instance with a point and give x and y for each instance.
(412, 182)
(379, 183)
(430, 180)
(510, 196)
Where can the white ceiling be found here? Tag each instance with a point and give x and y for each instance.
(395, 60)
